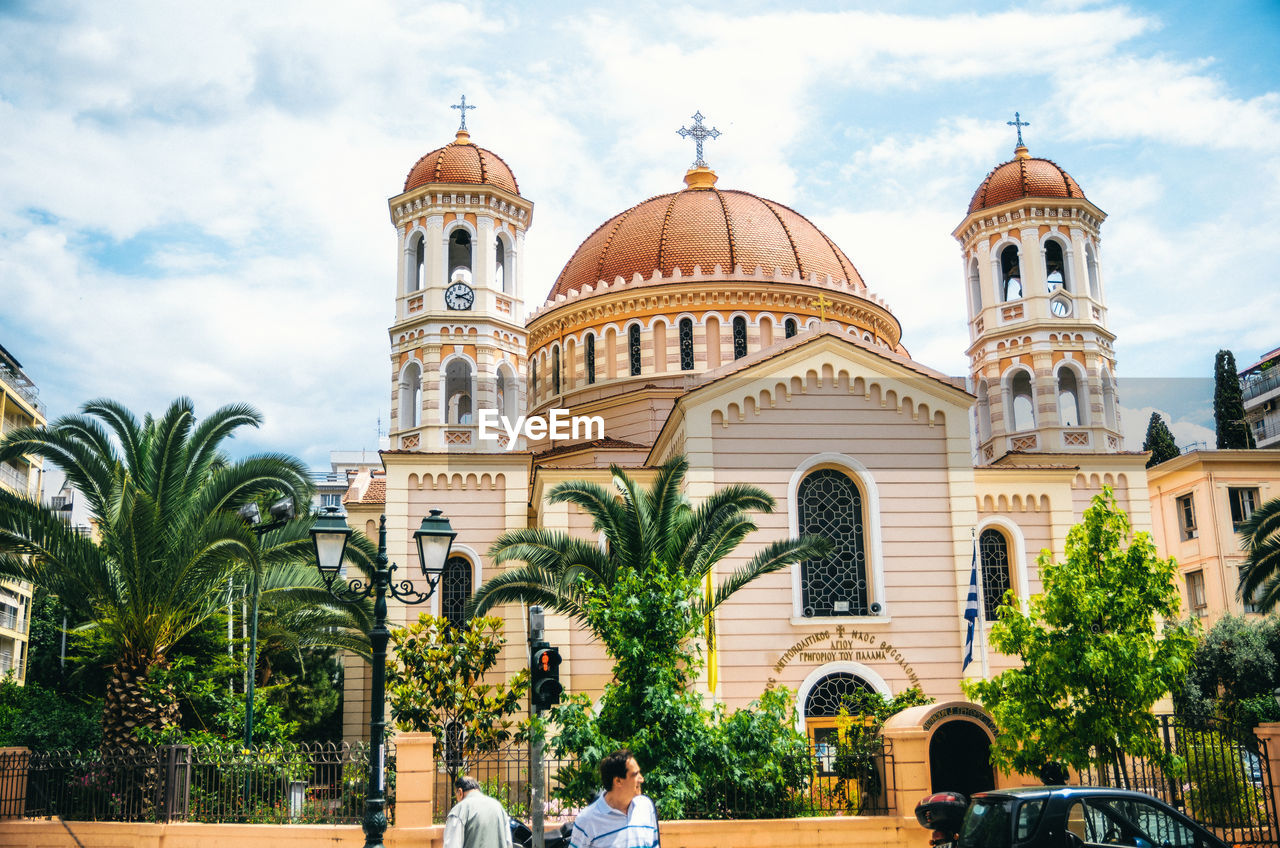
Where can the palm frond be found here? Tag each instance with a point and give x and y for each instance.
(774, 557)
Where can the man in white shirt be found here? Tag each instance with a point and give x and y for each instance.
(621, 817)
(476, 820)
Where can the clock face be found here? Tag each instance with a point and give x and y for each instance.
(459, 296)
(1060, 308)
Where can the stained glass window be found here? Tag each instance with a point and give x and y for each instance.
(686, 344)
(591, 358)
(827, 695)
(830, 505)
(739, 337)
(633, 342)
(555, 370)
(789, 327)
(994, 549)
(455, 589)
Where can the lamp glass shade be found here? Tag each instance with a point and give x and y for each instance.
(330, 534)
(434, 538)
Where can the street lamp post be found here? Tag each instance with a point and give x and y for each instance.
(433, 539)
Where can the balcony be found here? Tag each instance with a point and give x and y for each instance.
(1257, 385)
(9, 619)
(14, 477)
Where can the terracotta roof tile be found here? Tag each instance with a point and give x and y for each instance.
(704, 227)
(461, 163)
(1024, 177)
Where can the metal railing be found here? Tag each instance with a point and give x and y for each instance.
(820, 789)
(1259, 384)
(320, 783)
(1226, 785)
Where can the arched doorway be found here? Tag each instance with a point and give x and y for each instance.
(960, 758)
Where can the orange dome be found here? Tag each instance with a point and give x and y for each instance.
(704, 227)
(1021, 177)
(461, 161)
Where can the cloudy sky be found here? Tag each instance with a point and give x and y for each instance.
(193, 196)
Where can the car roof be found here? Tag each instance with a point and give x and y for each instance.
(1023, 792)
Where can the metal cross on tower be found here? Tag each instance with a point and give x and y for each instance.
(462, 107)
(699, 134)
(1016, 122)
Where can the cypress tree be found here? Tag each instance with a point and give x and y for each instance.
(1228, 404)
(1159, 441)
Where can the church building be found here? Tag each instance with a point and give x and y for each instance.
(725, 326)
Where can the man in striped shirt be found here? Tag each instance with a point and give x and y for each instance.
(620, 817)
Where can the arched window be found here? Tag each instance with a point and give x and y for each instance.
(1055, 266)
(1010, 273)
(460, 256)
(1024, 408)
(411, 396)
(829, 694)
(1091, 263)
(506, 389)
(828, 504)
(591, 358)
(555, 370)
(457, 392)
(686, 344)
(1069, 405)
(984, 412)
(789, 327)
(739, 337)
(499, 265)
(1109, 401)
(996, 574)
(975, 287)
(633, 348)
(533, 379)
(455, 590)
(417, 268)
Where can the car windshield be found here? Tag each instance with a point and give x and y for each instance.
(987, 824)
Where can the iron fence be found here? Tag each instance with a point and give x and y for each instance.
(826, 786)
(1225, 783)
(305, 783)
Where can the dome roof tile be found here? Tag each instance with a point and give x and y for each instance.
(462, 162)
(704, 227)
(1022, 177)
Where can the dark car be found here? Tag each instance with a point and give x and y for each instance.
(552, 836)
(1071, 816)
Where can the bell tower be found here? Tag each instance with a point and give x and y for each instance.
(1041, 358)
(458, 344)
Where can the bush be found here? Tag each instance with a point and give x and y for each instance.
(44, 720)
(1220, 790)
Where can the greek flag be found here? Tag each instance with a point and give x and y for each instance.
(971, 610)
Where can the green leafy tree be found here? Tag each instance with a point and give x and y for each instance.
(43, 719)
(163, 498)
(1094, 660)
(436, 684)
(1260, 571)
(1159, 441)
(1233, 673)
(1228, 404)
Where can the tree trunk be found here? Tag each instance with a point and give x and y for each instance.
(130, 704)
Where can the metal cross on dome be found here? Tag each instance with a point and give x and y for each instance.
(699, 134)
(462, 107)
(1019, 123)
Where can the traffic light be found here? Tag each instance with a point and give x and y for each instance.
(544, 677)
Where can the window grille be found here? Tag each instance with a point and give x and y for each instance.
(830, 505)
(828, 694)
(591, 358)
(739, 337)
(633, 342)
(994, 549)
(789, 327)
(555, 371)
(686, 344)
(455, 590)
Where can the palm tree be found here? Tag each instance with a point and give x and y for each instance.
(643, 531)
(163, 499)
(1260, 571)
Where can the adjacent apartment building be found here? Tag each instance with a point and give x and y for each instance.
(1198, 503)
(19, 407)
(1260, 386)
